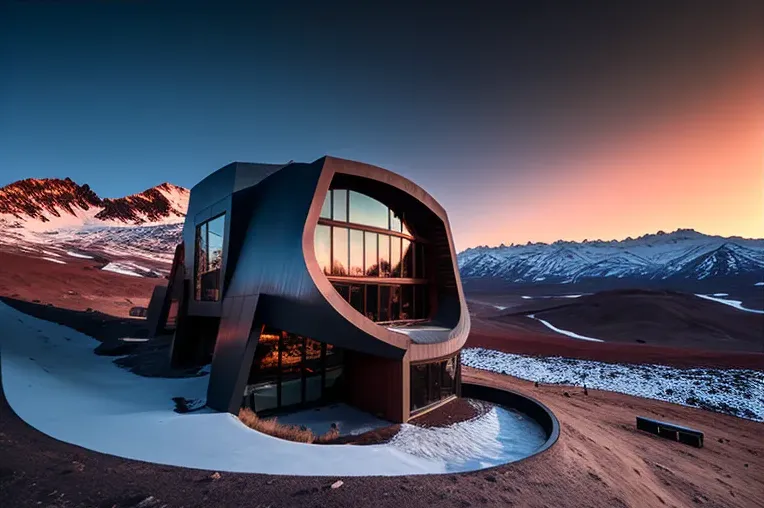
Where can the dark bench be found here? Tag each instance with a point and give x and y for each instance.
(684, 435)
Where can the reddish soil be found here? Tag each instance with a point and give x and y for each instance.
(78, 285)
(515, 338)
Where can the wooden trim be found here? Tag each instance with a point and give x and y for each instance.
(435, 405)
(371, 229)
(435, 360)
(386, 281)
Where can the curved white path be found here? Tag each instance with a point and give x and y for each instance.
(54, 382)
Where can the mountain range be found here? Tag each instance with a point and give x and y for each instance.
(684, 254)
(36, 213)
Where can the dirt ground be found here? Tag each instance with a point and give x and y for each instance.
(599, 460)
(78, 285)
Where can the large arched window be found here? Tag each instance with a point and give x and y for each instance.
(372, 258)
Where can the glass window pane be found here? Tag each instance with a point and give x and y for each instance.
(339, 251)
(291, 369)
(419, 260)
(326, 208)
(263, 376)
(356, 297)
(420, 302)
(407, 302)
(372, 301)
(312, 368)
(404, 229)
(384, 256)
(201, 258)
(343, 290)
(395, 303)
(407, 264)
(334, 374)
(372, 263)
(384, 303)
(419, 388)
(368, 211)
(434, 375)
(395, 222)
(356, 253)
(323, 245)
(340, 205)
(448, 378)
(395, 256)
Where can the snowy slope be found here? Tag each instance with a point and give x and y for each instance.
(683, 254)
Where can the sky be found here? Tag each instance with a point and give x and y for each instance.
(527, 121)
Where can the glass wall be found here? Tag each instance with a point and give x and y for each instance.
(386, 302)
(356, 251)
(290, 370)
(433, 382)
(209, 259)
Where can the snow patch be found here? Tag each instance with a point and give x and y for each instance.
(732, 303)
(78, 255)
(564, 332)
(120, 268)
(738, 392)
(759, 284)
(54, 260)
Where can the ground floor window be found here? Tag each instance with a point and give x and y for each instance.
(292, 370)
(433, 381)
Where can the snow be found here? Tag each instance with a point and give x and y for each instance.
(494, 438)
(738, 392)
(759, 284)
(500, 307)
(119, 268)
(564, 332)
(78, 255)
(732, 303)
(54, 260)
(49, 253)
(552, 296)
(134, 339)
(53, 381)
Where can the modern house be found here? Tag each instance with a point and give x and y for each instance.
(308, 283)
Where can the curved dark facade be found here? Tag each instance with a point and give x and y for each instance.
(317, 281)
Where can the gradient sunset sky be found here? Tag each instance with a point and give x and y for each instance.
(528, 121)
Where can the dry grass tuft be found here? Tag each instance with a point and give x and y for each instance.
(289, 432)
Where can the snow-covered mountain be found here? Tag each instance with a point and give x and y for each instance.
(53, 217)
(684, 254)
(51, 204)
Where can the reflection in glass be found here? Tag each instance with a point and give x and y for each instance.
(404, 229)
(372, 302)
(372, 263)
(340, 212)
(384, 303)
(395, 256)
(263, 377)
(407, 301)
(356, 297)
(367, 211)
(433, 382)
(312, 367)
(407, 264)
(340, 251)
(419, 388)
(209, 259)
(384, 256)
(419, 261)
(395, 303)
(356, 253)
(216, 228)
(323, 246)
(326, 207)
(395, 222)
(343, 290)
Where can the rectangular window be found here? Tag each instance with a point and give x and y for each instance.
(356, 297)
(395, 303)
(209, 259)
(420, 261)
(407, 301)
(419, 387)
(407, 255)
(343, 290)
(323, 246)
(326, 208)
(395, 256)
(372, 262)
(340, 205)
(368, 211)
(372, 302)
(395, 222)
(384, 303)
(433, 382)
(340, 254)
(356, 253)
(384, 256)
